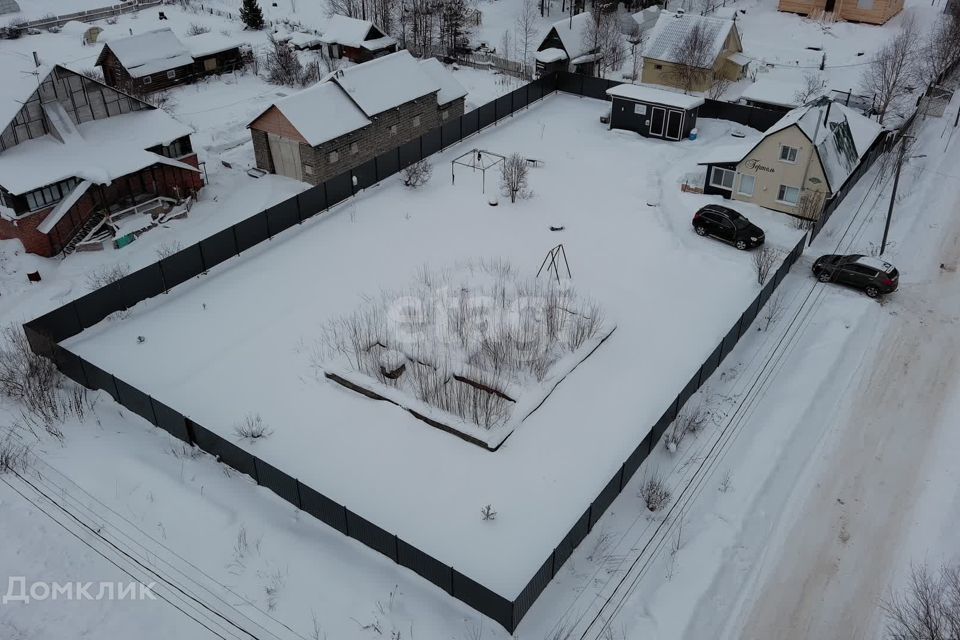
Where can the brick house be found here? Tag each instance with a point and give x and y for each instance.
(157, 60)
(666, 55)
(355, 40)
(75, 153)
(354, 115)
(869, 11)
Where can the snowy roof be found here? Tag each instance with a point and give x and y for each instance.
(657, 96)
(99, 150)
(841, 135)
(667, 36)
(450, 87)
(206, 44)
(19, 79)
(378, 43)
(151, 52)
(573, 34)
(875, 263)
(386, 82)
(346, 31)
(302, 40)
(729, 153)
(321, 113)
(8, 6)
(772, 91)
(647, 17)
(551, 54)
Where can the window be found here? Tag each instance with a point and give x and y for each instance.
(210, 64)
(171, 74)
(788, 195)
(722, 178)
(747, 185)
(176, 149)
(354, 149)
(393, 130)
(788, 154)
(333, 157)
(444, 114)
(416, 121)
(308, 169)
(658, 66)
(147, 80)
(640, 109)
(50, 195)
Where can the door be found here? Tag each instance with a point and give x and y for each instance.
(674, 123)
(286, 157)
(657, 116)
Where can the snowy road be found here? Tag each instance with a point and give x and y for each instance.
(846, 535)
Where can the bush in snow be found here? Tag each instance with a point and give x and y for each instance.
(764, 259)
(487, 513)
(513, 177)
(13, 454)
(104, 275)
(197, 29)
(467, 343)
(655, 493)
(928, 608)
(417, 174)
(689, 422)
(252, 428)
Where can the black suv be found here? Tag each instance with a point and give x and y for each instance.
(872, 275)
(727, 225)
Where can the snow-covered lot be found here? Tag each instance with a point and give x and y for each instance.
(238, 341)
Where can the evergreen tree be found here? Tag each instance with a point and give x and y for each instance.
(251, 14)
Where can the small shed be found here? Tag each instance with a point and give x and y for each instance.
(653, 113)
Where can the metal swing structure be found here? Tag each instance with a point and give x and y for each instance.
(555, 260)
(476, 159)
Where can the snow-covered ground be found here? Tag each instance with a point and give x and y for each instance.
(641, 263)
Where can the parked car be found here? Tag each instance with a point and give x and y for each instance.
(873, 275)
(728, 225)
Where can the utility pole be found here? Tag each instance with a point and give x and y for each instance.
(901, 156)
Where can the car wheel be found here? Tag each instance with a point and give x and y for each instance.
(701, 231)
(823, 277)
(741, 244)
(872, 292)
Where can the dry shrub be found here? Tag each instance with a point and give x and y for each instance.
(106, 274)
(655, 493)
(417, 174)
(252, 428)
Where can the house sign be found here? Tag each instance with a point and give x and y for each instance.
(754, 165)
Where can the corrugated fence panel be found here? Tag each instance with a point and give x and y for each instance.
(230, 454)
(748, 317)
(487, 114)
(251, 232)
(483, 599)
(535, 91)
(711, 364)
(503, 106)
(40, 344)
(277, 481)
(519, 97)
(663, 424)
(97, 378)
(606, 497)
(425, 565)
(142, 284)
(365, 175)
(730, 340)
(409, 153)
(574, 537)
(97, 305)
(634, 461)
(532, 591)
(323, 508)
(282, 216)
(570, 83)
(312, 201)
(135, 400)
(339, 188)
(388, 164)
(181, 266)
(71, 365)
(595, 88)
(430, 142)
(471, 123)
(170, 420)
(450, 133)
(688, 390)
(60, 324)
(372, 535)
(219, 247)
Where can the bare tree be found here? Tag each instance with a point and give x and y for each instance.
(693, 64)
(888, 76)
(928, 609)
(809, 207)
(719, 84)
(942, 49)
(417, 174)
(604, 38)
(527, 28)
(811, 88)
(773, 310)
(637, 39)
(283, 67)
(764, 260)
(513, 177)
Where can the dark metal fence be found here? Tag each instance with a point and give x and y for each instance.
(46, 332)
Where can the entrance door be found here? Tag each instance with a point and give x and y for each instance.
(657, 115)
(286, 157)
(674, 120)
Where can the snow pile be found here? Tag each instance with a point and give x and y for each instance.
(477, 346)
